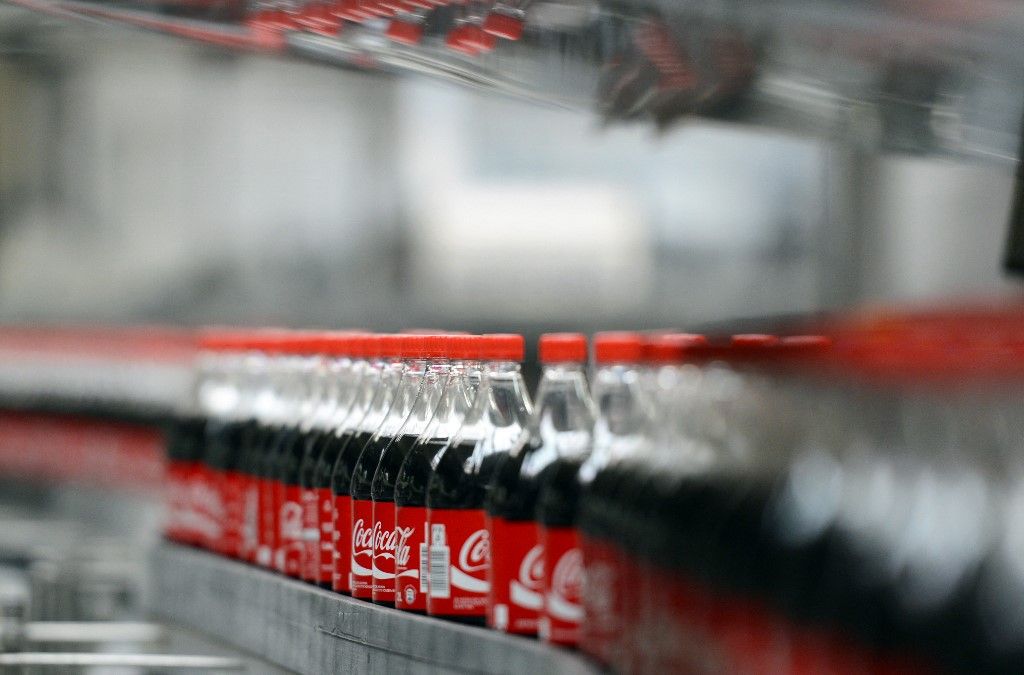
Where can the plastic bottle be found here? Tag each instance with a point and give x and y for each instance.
(459, 556)
(561, 426)
(382, 422)
(425, 378)
(352, 433)
(411, 482)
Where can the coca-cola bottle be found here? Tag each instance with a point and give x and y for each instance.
(630, 400)
(352, 433)
(274, 432)
(620, 432)
(670, 516)
(255, 436)
(355, 379)
(561, 426)
(383, 420)
(460, 391)
(332, 384)
(299, 398)
(425, 378)
(185, 448)
(222, 399)
(459, 543)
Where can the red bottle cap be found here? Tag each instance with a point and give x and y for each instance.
(754, 340)
(671, 347)
(424, 346)
(504, 26)
(618, 347)
(390, 346)
(501, 347)
(562, 347)
(272, 341)
(475, 37)
(404, 32)
(464, 347)
(338, 343)
(224, 339)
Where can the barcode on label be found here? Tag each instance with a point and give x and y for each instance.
(424, 566)
(439, 558)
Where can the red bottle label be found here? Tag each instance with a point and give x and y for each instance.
(232, 502)
(601, 601)
(341, 555)
(310, 535)
(207, 507)
(325, 542)
(250, 528)
(411, 573)
(459, 558)
(268, 524)
(361, 575)
(290, 547)
(174, 498)
(385, 537)
(563, 580)
(516, 576)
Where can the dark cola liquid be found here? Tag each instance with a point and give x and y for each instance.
(366, 466)
(414, 475)
(388, 467)
(186, 440)
(223, 446)
(558, 499)
(348, 455)
(511, 495)
(331, 444)
(290, 445)
(313, 446)
(457, 483)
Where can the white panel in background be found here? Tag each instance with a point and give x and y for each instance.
(534, 250)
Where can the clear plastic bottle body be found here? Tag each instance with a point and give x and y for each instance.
(299, 398)
(411, 483)
(423, 385)
(622, 433)
(560, 431)
(333, 380)
(386, 415)
(351, 434)
(459, 558)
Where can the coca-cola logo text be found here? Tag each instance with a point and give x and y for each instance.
(531, 569)
(402, 549)
(362, 537)
(567, 575)
(475, 553)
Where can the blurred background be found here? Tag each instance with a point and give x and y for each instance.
(147, 180)
(637, 164)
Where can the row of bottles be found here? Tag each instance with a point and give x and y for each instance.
(467, 28)
(400, 469)
(749, 504)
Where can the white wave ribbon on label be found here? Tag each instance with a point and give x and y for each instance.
(562, 609)
(465, 582)
(525, 597)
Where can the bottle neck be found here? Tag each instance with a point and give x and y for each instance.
(624, 414)
(391, 372)
(508, 401)
(453, 404)
(428, 393)
(563, 401)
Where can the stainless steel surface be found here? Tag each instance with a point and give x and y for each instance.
(918, 77)
(312, 631)
(92, 631)
(89, 660)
